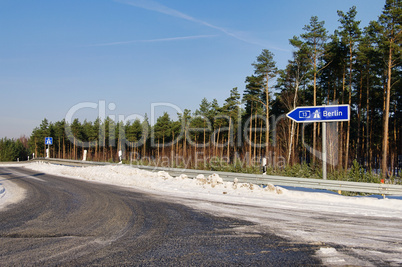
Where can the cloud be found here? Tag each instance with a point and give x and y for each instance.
(156, 40)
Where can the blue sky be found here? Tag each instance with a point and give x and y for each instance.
(131, 54)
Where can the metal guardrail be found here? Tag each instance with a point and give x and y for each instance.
(70, 162)
(260, 179)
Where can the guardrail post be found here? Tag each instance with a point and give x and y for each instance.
(84, 157)
(264, 165)
(120, 156)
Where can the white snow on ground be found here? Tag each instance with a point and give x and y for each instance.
(348, 230)
(9, 192)
(2, 190)
(213, 185)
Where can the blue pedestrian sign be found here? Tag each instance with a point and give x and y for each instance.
(48, 140)
(320, 113)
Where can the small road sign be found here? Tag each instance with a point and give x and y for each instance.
(320, 113)
(48, 140)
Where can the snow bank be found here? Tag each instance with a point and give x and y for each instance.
(124, 175)
(214, 188)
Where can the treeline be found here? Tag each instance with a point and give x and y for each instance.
(212, 131)
(13, 150)
(356, 66)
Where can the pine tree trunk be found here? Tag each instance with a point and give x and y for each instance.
(255, 137)
(291, 134)
(171, 152)
(315, 104)
(172, 156)
(267, 120)
(371, 138)
(74, 156)
(221, 152)
(177, 151)
(217, 146)
(384, 166)
(229, 139)
(368, 119)
(185, 143)
(163, 145)
(341, 123)
(204, 148)
(158, 150)
(144, 146)
(249, 137)
(260, 143)
(96, 150)
(350, 103)
(359, 111)
(395, 151)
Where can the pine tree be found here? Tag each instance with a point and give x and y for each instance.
(231, 108)
(295, 74)
(204, 114)
(350, 33)
(162, 131)
(265, 68)
(145, 131)
(312, 44)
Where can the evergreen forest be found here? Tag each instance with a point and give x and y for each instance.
(355, 65)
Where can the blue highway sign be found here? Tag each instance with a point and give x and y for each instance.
(48, 140)
(320, 113)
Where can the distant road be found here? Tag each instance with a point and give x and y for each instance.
(69, 222)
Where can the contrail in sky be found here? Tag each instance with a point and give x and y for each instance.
(157, 7)
(155, 40)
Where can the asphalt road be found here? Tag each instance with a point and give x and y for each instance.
(67, 222)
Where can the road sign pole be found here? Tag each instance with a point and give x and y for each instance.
(324, 150)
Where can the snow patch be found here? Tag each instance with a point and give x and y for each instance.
(328, 250)
(162, 181)
(2, 190)
(124, 175)
(10, 193)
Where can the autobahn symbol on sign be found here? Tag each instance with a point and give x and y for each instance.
(320, 113)
(48, 140)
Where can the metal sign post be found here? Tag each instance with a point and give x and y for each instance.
(324, 114)
(48, 142)
(324, 150)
